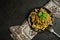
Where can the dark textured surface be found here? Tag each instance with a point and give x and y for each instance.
(45, 36)
(13, 12)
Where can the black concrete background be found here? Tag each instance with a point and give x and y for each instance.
(14, 12)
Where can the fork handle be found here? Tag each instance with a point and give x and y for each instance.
(56, 34)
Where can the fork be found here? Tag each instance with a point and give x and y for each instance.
(52, 31)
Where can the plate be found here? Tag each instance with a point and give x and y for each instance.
(30, 23)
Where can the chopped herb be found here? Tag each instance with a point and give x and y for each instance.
(42, 15)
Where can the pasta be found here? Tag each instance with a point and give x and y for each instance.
(40, 19)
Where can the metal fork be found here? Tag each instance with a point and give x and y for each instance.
(52, 31)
